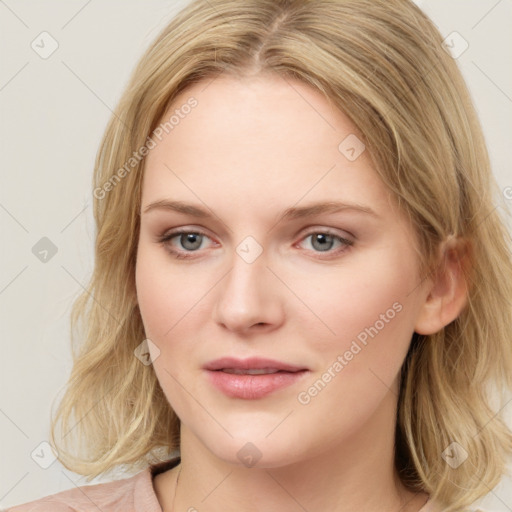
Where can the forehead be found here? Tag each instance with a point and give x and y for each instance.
(265, 139)
(236, 115)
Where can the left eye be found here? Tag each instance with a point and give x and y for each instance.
(323, 242)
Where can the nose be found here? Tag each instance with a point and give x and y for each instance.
(249, 298)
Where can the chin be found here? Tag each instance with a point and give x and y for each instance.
(255, 450)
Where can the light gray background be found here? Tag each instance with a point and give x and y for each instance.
(54, 112)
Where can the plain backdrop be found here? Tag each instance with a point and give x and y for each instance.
(53, 113)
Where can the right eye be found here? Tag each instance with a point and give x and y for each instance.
(182, 243)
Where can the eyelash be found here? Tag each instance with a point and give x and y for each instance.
(167, 237)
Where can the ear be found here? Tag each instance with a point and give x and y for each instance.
(447, 288)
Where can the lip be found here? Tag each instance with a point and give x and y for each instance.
(251, 363)
(252, 387)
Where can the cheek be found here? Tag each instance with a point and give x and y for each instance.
(165, 295)
(371, 311)
(365, 306)
(154, 303)
(166, 298)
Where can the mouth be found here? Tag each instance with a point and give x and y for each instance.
(252, 378)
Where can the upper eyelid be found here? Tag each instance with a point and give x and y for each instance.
(309, 230)
(179, 231)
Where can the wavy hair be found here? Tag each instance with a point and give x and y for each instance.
(383, 64)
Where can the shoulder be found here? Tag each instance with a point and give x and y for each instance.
(118, 496)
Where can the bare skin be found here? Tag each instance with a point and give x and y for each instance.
(165, 489)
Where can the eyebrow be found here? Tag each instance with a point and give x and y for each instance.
(292, 213)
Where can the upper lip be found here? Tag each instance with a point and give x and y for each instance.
(251, 363)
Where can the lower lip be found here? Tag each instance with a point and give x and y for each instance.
(252, 387)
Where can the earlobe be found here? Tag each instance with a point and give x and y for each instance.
(448, 288)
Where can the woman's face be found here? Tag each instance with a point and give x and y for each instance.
(296, 253)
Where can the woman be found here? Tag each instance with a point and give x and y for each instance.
(302, 286)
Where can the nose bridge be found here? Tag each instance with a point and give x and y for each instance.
(247, 295)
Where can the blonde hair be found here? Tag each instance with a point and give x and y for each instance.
(383, 64)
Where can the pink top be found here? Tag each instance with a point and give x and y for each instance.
(135, 494)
